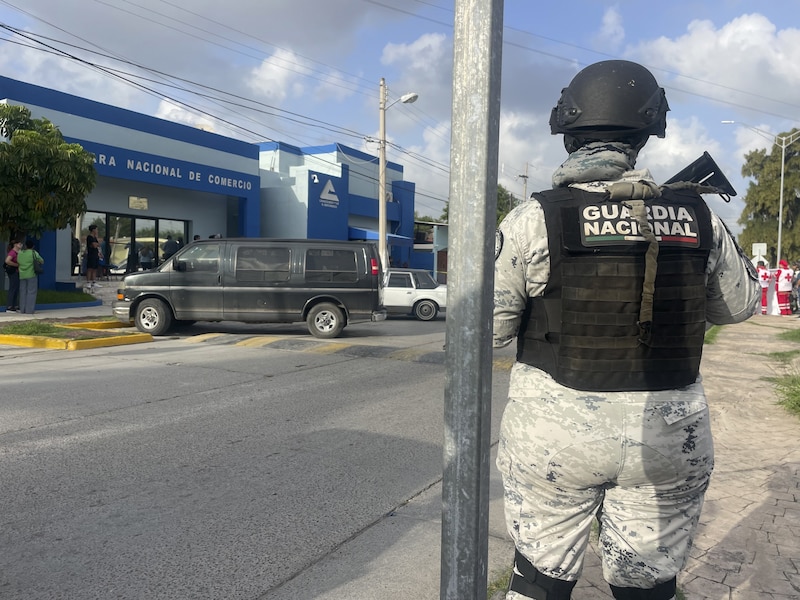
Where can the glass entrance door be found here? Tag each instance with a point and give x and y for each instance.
(122, 258)
(145, 241)
(129, 243)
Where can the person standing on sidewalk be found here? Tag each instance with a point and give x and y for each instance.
(607, 282)
(783, 287)
(12, 270)
(28, 279)
(764, 277)
(92, 257)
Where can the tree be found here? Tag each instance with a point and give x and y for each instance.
(505, 202)
(762, 201)
(44, 180)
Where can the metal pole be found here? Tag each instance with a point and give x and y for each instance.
(525, 184)
(477, 41)
(780, 202)
(785, 141)
(382, 250)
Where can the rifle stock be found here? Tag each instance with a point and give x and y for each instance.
(704, 171)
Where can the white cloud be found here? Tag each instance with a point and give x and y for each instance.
(748, 53)
(279, 76)
(170, 111)
(66, 75)
(426, 67)
(612, 32)
(334, 86)
(686, 140)
(525, 140)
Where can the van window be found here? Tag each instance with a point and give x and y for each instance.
(203, 258)
(327, 265)
(256, 263)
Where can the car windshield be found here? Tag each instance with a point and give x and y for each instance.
(425, 281)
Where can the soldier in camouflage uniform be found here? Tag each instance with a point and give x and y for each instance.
(607, 282)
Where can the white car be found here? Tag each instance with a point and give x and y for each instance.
(413, 291)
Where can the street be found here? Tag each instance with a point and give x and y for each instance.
(207, 464)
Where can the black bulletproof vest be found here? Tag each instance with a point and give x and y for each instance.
(584, 330)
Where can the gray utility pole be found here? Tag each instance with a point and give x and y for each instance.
(524, 178)
(477, 40)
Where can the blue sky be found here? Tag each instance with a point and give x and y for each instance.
(306, 72)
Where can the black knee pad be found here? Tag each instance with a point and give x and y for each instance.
(663, 591)
(536, 585)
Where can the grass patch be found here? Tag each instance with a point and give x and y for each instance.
(53, 297)
(784, 357)
(792, 335)
(788, 389)
(51, 329)
(500, 583)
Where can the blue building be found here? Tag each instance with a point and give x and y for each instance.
(157, 178)
(331, 192)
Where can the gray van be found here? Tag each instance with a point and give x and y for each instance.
(328, 284)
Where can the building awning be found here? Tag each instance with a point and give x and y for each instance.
(357, 233)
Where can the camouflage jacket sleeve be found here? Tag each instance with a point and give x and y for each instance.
(521, 267)
(732, 291)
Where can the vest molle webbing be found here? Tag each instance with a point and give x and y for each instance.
(585, 330)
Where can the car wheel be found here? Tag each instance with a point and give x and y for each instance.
(426, 310)
(325, 320)
(153, 316)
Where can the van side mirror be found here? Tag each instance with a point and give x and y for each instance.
(178, 265)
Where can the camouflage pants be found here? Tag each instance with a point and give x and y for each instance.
(639, 462)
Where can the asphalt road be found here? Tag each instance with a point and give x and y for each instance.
(207, 465)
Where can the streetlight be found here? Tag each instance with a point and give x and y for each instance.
(782, 141)
(383, 107)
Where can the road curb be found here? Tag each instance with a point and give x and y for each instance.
(31, 341)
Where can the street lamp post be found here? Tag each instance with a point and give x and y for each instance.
(382, 108)
(783, 141)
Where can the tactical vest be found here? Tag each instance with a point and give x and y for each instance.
(585, 330)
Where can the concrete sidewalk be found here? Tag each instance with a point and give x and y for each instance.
(105, 294)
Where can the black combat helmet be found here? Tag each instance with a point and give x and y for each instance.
(609, 101)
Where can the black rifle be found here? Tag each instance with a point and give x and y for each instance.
(704, 171)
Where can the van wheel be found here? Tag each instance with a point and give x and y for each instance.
(426, 310)
(325, 320)
(153, 316)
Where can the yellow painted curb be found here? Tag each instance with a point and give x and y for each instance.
(33, 341)
(96, 325)
(118, 340)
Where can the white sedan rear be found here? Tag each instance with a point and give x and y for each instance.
(414, 291)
